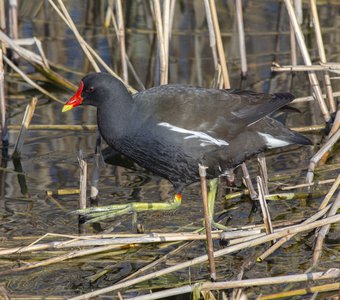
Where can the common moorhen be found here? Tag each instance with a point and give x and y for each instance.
(171, 129)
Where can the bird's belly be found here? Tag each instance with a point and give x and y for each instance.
(164, 159)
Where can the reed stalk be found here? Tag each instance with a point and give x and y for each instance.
(89, 52)
(220, 49)
(264, 207)
(212, 38)
(166, 32)
(261, 160)
(293, 53)
(96, 169)
(42, 53)
(13, 23)
(304, 51)
(63, 192)
(330, 193)
(83, 181)
(302, 185)
(315, 159)
(321, 234)
(4, 130)
(281, 241)
(92, 127)
(63, 13)
(208, 286)
(322, 54)
(203, 258)
(30, 108)
(125, 239)
(56, 127)
(121, 39)
(29, 81)
(163, 68)
(248, 183)
(37, 62)
(241, 38)
(336, 124)
(207, 221)
(2, 15)
(331, 67)
(310, 98)
(64, 257)
(299, 292)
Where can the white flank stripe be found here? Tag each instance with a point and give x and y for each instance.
(191, 134)
(272, 142)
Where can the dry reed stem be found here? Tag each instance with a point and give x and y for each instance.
(207, 286)
(279, 196)
(311, 289)
(212, 38)
(37, 62)
(121, 39)
(119, 239)
(248, 183)
(309, 128)
(29, 81)
(336, 124)
(304, 51)
(155, 263)
(219, 42)
(83, 180)
(88, 50)
(203, 258)
(161, 42)
(132, 69)
(293, 45)
(2, 15)
(322, 54)
(302, 68)
(13, 19)
(42, 53)
(324, 230)
(56, 127)
(92, 127)
(30, 108)
(311, 98)
(63, 13)
(62, 192)
(261, 159)
(166, 32)
(330, 193)
(4, 130)
(315, 159)
(207, 221)
(280, 242)
(66, 256)
(264, 207)
(302, 185)
(109, 14)
(242, 42)
(96, 168)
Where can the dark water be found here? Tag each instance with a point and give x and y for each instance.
(49, 158)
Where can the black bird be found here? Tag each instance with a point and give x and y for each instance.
(171, 129)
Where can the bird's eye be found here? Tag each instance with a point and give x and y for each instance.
(90, 89)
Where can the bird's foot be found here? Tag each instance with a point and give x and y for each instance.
(96, 214)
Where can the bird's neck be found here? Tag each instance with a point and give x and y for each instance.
(114, 118)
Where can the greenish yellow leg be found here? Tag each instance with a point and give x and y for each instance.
(96, 214)
(213, 185)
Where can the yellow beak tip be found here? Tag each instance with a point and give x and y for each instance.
(66, 107)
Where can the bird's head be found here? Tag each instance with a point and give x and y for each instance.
(93, 89)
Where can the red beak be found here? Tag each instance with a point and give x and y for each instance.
(75, 100)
